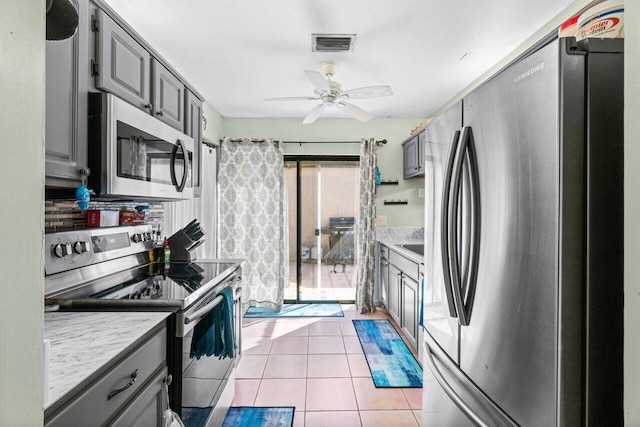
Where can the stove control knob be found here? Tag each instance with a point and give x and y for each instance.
(137, 238)
(61, 250)
(80, 247)
(147, 237)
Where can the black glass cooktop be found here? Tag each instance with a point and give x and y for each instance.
(152, 282)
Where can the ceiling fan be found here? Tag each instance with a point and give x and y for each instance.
(330, 94)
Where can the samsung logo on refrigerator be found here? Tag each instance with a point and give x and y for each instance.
(530, 72)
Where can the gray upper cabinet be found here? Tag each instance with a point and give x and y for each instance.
(412, 153)
(193, 128)
(421, 152)
(168, 96)
(123, 65)
(66, 105)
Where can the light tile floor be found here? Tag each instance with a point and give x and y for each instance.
(317, 365)
(320, 283)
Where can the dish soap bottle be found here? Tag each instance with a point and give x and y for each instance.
(167, 253)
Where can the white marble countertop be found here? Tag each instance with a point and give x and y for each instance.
(393, 245)
(82, 343)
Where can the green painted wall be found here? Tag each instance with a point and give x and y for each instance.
(389, 156)
(212, 130)
(22, 74)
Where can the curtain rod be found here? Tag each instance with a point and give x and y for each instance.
(378, 143)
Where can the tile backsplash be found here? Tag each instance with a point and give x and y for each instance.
(64, 215)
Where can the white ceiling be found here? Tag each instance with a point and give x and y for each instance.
(237, 52)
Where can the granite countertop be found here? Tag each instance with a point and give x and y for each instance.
(82, 343)
(393, 243)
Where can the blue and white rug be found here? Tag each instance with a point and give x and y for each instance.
(298, 310)
(390, 361)
(249, 416)
(195, 417)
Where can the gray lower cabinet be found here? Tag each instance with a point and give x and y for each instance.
(193, 128)
(384, 281)
(410, 300)
(128, 392)
(66, 104)
(123, 65)
(146, 409)
(399, 281)
(395, 287)
(168, 96)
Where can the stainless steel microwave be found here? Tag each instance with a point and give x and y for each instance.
(133, 155)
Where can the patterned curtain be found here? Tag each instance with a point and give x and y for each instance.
(252, 218)
(367, 227)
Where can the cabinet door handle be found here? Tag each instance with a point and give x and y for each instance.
(148, 107)
(159, 113)
(114, 393)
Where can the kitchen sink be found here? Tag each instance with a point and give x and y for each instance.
(419, 249)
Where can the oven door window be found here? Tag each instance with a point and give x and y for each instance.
(144, 157)
(203, 381)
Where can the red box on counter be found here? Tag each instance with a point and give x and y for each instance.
(96, 218)
(131, 217)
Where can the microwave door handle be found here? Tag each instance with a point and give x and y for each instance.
(174, 155)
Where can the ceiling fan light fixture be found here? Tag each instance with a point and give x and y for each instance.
(330, 93)
(332, 42)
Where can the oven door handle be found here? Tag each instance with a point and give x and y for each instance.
(192, 317)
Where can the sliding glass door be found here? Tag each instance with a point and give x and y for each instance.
(323, 205)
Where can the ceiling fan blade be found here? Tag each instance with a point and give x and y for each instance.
(355, 112)
(314, 114)
(293, 98)
(368, 92)
(318, 81)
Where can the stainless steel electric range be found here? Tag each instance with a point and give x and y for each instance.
(108, 269)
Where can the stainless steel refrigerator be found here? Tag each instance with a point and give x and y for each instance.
(523, 302)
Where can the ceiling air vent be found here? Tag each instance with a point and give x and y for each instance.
(332, 42)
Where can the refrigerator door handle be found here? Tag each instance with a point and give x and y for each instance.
(453, 232)
(474, 255)
(465, 157)
(459, 402)
(445, 224)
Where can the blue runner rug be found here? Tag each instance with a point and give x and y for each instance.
(249, 416)
(195, 417)
(390, 361)
(298, 310)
